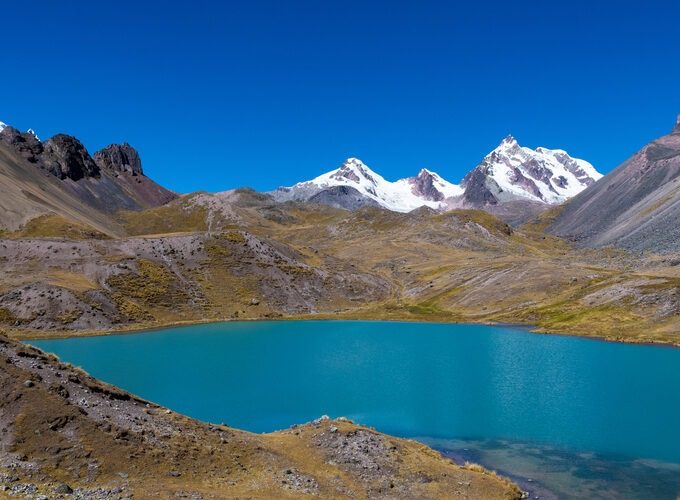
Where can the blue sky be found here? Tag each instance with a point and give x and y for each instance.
(217, 95)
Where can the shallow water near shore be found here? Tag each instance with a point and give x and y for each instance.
(562, 415)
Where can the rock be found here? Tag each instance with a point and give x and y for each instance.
(63, 489)
(333, 428)
(26, 144)
(423, 186)
(62, 391)
(119, 158)
(29, 383)
(254, 302)
(65, 157)
(174, 473)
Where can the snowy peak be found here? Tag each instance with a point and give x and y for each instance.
(509, 172)
(3, 126)
(512, 172)
(353, 172)
(508, 143)
(426, 189)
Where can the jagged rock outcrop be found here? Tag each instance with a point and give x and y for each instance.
(425, 187)
(65, 157)
(58, 176)
(477, 192)
(119, 158)
(24, 143)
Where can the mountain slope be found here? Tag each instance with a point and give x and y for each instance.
(59, 176)
(28, 193)
(636, 206)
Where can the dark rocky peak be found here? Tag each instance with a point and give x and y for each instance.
(65, 157)
(423, 185)
(25, 143)
(476, 191)
(119, 158)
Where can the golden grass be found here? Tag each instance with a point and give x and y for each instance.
(70, 280)
(56, 226)
(6, 316)
(175, 217)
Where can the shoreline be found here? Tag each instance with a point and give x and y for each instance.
(116, 419)
(138, 329)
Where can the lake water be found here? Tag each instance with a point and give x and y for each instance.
(564, 416)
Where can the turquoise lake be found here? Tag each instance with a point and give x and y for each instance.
(564, 416)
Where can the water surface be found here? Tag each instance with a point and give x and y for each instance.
(582, 416)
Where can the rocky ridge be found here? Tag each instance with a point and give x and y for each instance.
(95, 187)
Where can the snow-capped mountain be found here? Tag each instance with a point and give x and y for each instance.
(510, 172)
(404, 195)
(3, 126)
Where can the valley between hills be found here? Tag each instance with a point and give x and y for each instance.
(91, 246)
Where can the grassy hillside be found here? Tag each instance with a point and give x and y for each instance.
(239, 255)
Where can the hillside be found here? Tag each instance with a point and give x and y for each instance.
(28, 193)
(241, 255)
(58, 176)
(637, 206)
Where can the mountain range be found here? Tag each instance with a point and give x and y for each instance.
(636, 206)
(509, 173)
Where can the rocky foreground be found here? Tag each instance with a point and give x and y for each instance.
(63, 434)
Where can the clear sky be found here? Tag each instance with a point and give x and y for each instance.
(223, 94)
